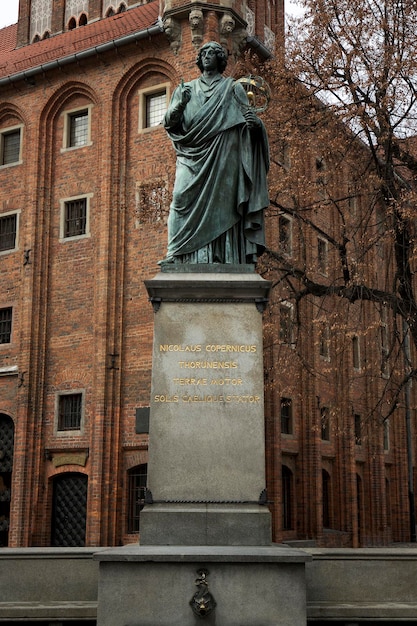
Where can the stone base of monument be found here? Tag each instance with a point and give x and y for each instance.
(246, 586)
(205, 531)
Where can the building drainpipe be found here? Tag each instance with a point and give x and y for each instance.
(407, 392)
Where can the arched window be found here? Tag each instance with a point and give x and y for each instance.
(137, 477)
(46, 35)
(72, 24)
(83, 20)
(287, 498)
(122, 8)
(110, 12)
(6, 468)
(36, 39)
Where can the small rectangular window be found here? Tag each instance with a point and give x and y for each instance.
(6, 316)
(285, 235)
(286, 416)
(286, 330)
(8, 232)
(70, 411)
(75, 217)
(156, 106)
(78, 129)
(153, 102)
(10, 146)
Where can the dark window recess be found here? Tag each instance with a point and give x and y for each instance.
(75, 218)
(326, 494)
(142, 420)
(287, 522)
(6, 324)
(286, 416)
(137, 478)
(11, 147)
(325, 423)
(8, 228)
(70, 411)
(286, 325)
(285, 235)
(358, 429)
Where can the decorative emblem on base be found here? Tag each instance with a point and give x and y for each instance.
(202, 601)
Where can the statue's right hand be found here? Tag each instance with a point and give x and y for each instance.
(185, 94)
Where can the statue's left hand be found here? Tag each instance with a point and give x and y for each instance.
(252, 120)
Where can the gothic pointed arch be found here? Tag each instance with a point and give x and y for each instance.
(10, 112)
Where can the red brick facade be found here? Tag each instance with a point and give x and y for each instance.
(82, 323)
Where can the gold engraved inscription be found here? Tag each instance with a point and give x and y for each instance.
(223, 380)
(171, 347)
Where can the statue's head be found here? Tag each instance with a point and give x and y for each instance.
(220, 54)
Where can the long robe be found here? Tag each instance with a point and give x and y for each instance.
(220, 190)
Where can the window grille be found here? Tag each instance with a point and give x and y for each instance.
(8, 228)
(69, 510)
(5, 324)
(11, 147)
(137, 478)
(70, 411)
(156, 106)
(75, 220)
(78, 129)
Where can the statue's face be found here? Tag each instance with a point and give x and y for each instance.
(209, 58)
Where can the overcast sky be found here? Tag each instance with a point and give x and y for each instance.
(8, 12)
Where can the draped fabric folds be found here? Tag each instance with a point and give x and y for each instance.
(220, 191)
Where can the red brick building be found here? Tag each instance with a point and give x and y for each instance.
(85, 176)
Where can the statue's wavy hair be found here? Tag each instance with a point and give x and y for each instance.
(221, 55)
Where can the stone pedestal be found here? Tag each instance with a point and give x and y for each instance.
(206, 517)
(206, 453)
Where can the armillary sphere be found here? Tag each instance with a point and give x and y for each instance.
(257, 91)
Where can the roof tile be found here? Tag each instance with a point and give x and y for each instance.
(14, 60)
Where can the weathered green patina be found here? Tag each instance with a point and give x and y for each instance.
(220, 192)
